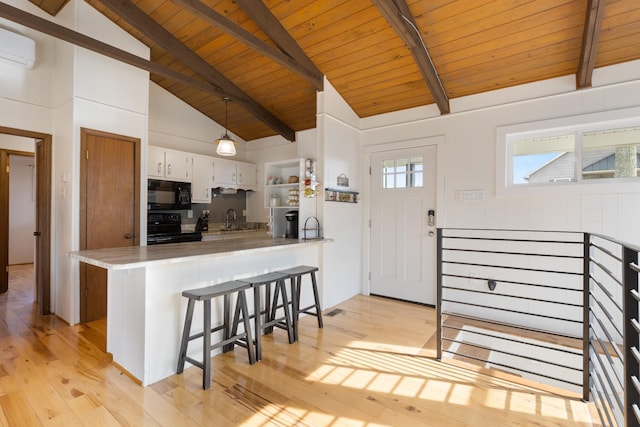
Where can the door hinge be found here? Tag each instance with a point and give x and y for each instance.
(369, 170)
(7, 168)
(86, 293)
(369, 223)
(86, 154)
(369, 276)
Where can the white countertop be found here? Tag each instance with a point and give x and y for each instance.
(143, 256)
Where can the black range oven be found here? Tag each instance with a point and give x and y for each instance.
(166, 228)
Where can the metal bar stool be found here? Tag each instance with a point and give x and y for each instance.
(295, 274)
(229, 326)
(270, 307)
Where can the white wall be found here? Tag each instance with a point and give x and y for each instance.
(108, 96)
(70, 88)
(339, 153)
(175, 124)
(469, 161)
(21, 209)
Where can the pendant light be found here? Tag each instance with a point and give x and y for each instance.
(226, 145)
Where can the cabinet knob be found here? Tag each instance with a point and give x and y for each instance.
(159, 167)
(128, 236)
(169, 169)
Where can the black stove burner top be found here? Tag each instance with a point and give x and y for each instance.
(166, 228)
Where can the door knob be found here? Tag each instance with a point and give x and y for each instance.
(128, 236)
(37, 233)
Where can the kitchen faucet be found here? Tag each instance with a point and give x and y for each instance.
(229, 217)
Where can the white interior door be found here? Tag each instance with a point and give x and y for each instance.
(403, 240)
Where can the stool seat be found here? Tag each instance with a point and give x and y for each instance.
(270, 307)
(214, 291)
(229, 326)
(295, 274)
(264, 278)
(298, 270)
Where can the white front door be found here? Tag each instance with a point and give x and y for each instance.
(403, 240)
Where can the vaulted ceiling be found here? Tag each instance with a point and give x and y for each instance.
(269, 56)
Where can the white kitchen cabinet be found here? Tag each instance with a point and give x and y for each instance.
(234, 174)
(177, 165)
(202, 179)
(247, 175)
(224, 172)
(168, 164)
(155, 162)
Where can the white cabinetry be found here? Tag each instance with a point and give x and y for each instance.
(202, 179)
(168, 164)
(247, 174)
(155, 162)
(224, 172)
(233, 174)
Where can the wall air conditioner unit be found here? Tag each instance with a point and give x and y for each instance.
(17, 49)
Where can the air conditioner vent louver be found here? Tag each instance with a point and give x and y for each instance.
(17, 49)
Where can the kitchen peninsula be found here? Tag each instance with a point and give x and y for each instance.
(145, 307)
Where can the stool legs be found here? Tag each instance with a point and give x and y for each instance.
(206, 347)
(288, 323)
(270, 311)
(229, 326)
(257, 314)
(182, 356)
(296, 290)
(242, 309)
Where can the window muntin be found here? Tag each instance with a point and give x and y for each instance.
(403, 172)
(558, 158)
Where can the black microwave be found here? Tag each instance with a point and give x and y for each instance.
(168, 195)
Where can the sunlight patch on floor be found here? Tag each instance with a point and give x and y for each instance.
(398, 371)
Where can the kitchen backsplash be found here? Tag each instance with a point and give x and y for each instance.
(220, 204)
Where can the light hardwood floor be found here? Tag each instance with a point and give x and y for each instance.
(371, 365)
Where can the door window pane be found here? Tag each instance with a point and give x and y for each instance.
(403, 172)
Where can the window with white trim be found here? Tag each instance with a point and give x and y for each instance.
(575, 156)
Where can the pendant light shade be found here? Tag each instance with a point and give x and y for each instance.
(226, 145)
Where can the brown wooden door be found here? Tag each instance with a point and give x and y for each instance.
(108, 209)
(4, 221)
(43, 220)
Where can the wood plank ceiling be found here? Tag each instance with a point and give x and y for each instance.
(369, 51)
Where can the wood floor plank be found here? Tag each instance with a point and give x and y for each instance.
(371, 365)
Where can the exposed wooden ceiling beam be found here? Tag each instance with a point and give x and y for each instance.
(590, 37)
(63, 33)
(261, 15)
(397, 13)
(306, 70)
(146, 25)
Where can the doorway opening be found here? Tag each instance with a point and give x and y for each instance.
(26, 143)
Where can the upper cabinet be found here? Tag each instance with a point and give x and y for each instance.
(202, 179)
(247, 174)
(168, 164)
(234, 174)
(224, 172)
